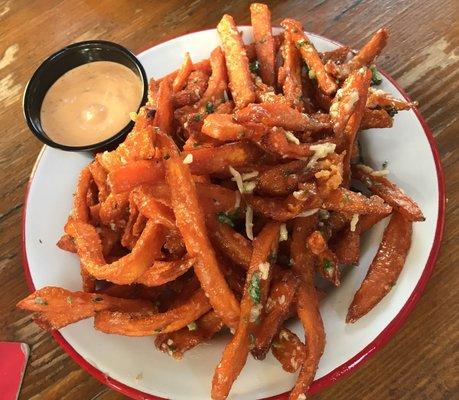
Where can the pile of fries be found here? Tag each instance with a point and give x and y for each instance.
(232, 192)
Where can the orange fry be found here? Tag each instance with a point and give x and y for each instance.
(135, 173)
(252, 303)
(148, 324)
(289, 350)
(292, 85)
(80, 206)
(218, 81)
(183, 73)
(310, 55)
(389, 192)
(327, 260)
(196, 85)
(237, 63)
(378, 98)
(66, 243)
(376, 119)
(385, 267)
(370, 50)
(165, 113)
(165, 271)
(190, 221)
(264, 41)
(338, 55)
(346, 201)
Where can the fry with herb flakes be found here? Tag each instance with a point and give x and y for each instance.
(183, 73)
(310, 55)
(136, 173)
(376, 119)
(264, 42)
(388, 191)
(289, 350)
(327, 260)
(237, 63)
(253, 301)
(385, 268)
(347, 201)
(379, 98)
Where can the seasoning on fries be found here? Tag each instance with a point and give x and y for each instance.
(231, 193)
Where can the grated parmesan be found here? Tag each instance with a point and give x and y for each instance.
(291, 137)
(371, 171)
(283, 334)
(282, 299)
(320, 151)
(249, 222)
(283, 233)
(237, 178)
(354, 220)
(255, 312)
(302, 396)
(249, 175)
(264, 270)
(237, 203)
(188, 159)
(249, 187)
(133, 116)
(308, 213)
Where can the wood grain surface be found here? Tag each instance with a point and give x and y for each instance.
(421, 362)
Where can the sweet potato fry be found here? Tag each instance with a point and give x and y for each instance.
(346, 201)
(327, 260)
(307, 307)
(148, 324)
(182, 74)
(178, 342)
(135, 173)
(264, 42)
(218, 81)
(376, 119)
(278, 307)
(165, 271)
(80, 206)
(310, 55)
(279, 115)
(190, 221)
(378, 98)
(338, 55)
(114, 210)
(194, 90)
(231, 243)
(389, 192)
(292, 85)
(61, 307)
(289, 350)
(276, 142)
(252, 303)
(217, 160)
(165, 113)
(370, 50)
(128, 268)
(237, 63)
(153, 209)
(353, 125)
(99, 175)
(385, 267)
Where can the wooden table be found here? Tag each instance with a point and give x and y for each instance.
(422, 359)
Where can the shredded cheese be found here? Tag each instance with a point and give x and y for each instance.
(237, 203)
(308, 213)
(249, 175)
(291, 137)
(320, 151)
(255, 312)
(283, 334)
(237, 178)
(354, 220)
(249, 222)
(248, 187)
(188, 159)
(382, 172)
(283, 233)
(371, 171)
(264, 269)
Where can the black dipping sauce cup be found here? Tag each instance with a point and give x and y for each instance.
(64, 60)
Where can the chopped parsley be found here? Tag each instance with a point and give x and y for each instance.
(197, 117)
(210, 108)
(254, 66)
(97, 299)
(328, 266)
(41, 301)
(224, 218)
(254, 288)
(391, 111)
(302, 42)
(376, 78)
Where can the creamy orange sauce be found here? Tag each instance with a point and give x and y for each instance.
(90, 103)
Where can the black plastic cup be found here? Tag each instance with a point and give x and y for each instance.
(64, 60)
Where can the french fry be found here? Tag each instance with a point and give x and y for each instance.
(279, 115)
(389, 192)
(278, 308)
(135, 173)
(385, 268)
(327, 260)
(310, 55)
(307, 308)
(338, 55)
(231, 243)
(128, 268)
(264, 41)
(164, 113)
(289, 350)
(182, 74)
(252, 303)
(148, 324)
(194, 90)
(218, 81)
(378, 98)
(80, 206)
(344, 200)
(191, 223)
(292, 85)
(99, 175)
(114, 210)
(178, 342)
(66, 243)
(370, 50)
(237, 63)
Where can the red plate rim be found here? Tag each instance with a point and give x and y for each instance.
(344, 369)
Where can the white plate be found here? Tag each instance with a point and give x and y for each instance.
(120, 361)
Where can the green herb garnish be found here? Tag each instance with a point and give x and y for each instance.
(210, 107)
(197, 117)
(97, 299)
(224, 218)
(41, 301)
(254, 288)
(302, 42)
(328, 266)
(376, 78)
(254, 66)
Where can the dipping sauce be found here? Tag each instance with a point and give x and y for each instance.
(90, 103)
